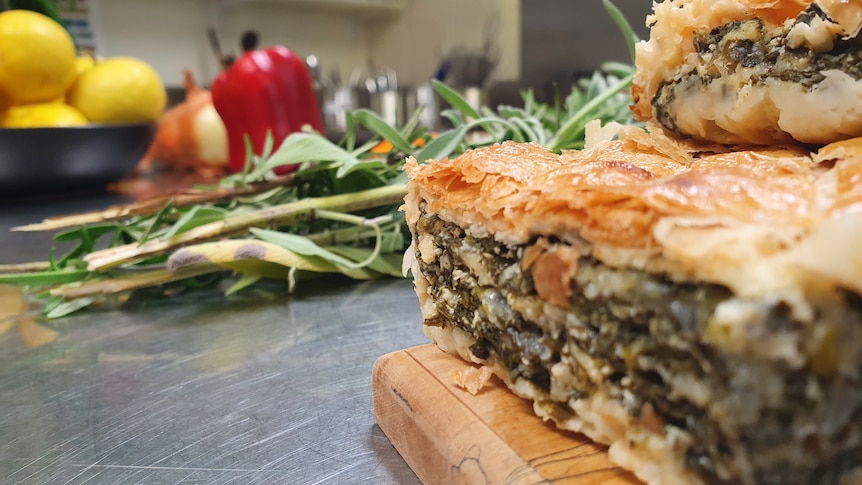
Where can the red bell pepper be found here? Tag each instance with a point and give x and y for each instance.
(268, 90)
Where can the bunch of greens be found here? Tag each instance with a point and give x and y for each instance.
(337, 214)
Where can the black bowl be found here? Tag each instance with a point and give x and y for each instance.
(48, 161)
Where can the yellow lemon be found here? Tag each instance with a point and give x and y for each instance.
(83, 63)
(42, 115)
(37, 57)
(4, 102)
(119, 90)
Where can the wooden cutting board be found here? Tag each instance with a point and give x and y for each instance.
(447, 435)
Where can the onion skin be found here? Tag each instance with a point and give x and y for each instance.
(189, 137)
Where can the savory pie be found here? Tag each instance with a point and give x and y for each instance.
(696, 307)
(753, 71)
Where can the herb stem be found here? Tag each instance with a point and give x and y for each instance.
(34, 267)
(266, 217)
(359, 221)
(130, 282)
(151, 206)
(43, 278)
(341, 236)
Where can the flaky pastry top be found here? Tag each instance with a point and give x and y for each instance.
(758, 221)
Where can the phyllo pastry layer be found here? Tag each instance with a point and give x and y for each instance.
(697, 309)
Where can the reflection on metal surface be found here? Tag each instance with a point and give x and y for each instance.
(17, 313)
(201, 389)
(206, 390)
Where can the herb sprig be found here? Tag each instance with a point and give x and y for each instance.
(338, 213)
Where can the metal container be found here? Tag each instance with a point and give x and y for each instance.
(424, 97)
(389, 105)
(337, 102)
(37, 161)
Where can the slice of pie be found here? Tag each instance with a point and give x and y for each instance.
(696, 308)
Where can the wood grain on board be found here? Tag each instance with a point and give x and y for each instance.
(447, 435)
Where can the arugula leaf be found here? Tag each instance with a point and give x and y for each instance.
(302, 147)
(387, 264)
(63, 308)
(409, 131)
(195, 217)
(375, 123)
(443, 146)
(576, 122)
(157, 220)
(301, 245)
(358, 165)
(307, 247)
(243, 283)
(89, 232)
(454, 99)
(454, 117)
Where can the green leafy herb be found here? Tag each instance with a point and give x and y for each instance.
(375, 123)
(442, 146)
(336, 213)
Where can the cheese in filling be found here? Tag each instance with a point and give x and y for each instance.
(732, 391)
(747, 82)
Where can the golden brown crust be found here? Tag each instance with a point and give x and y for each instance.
(647, 201)
(616, 192)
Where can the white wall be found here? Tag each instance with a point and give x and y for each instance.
(171, 34)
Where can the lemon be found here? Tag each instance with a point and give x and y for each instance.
(42, 115)
(83, 63)
(119, 90)
(37, 57)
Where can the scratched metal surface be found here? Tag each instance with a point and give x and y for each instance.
(200, 389)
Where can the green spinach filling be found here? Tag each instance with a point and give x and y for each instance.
(748, 44)
(790, 425)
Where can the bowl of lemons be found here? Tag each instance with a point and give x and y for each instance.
(69, 122)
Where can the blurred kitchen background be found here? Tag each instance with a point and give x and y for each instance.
(360, 49)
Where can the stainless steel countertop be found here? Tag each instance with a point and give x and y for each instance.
(199, 389)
